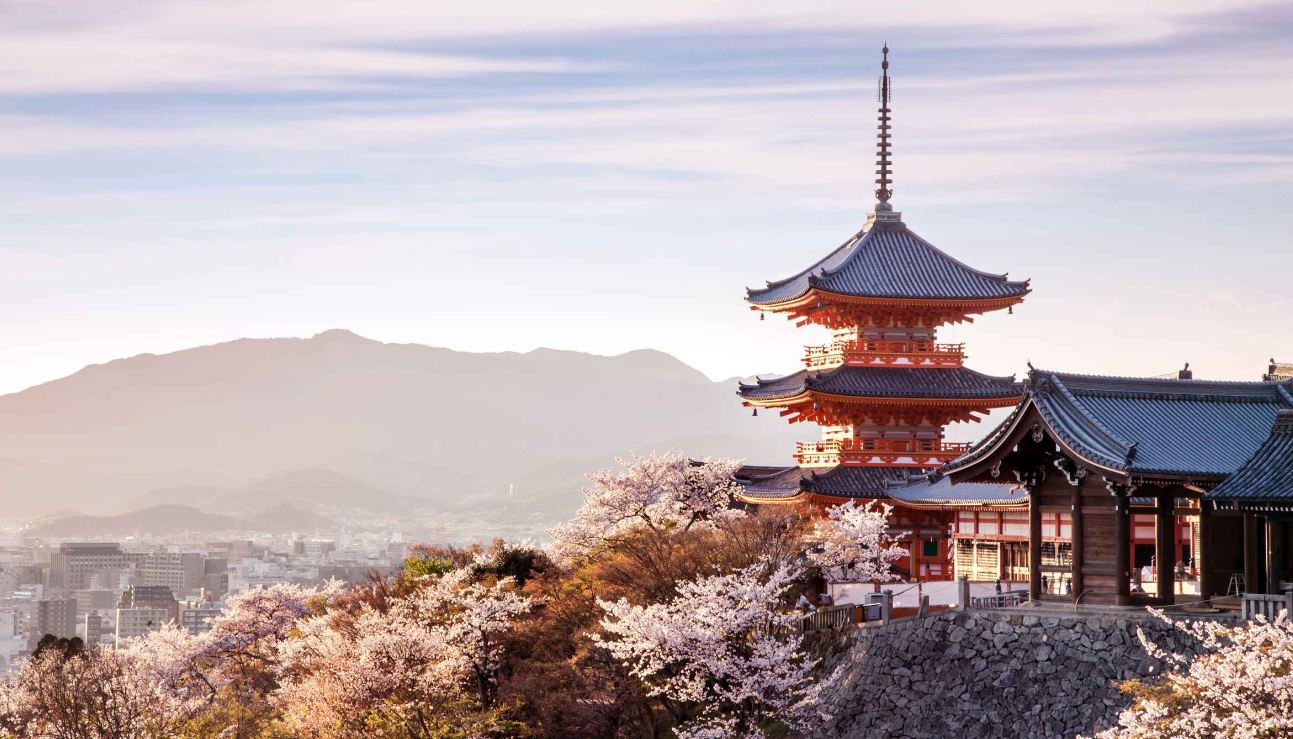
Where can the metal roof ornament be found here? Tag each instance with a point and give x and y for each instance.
(884, 191)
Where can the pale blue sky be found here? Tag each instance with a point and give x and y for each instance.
(609, 176)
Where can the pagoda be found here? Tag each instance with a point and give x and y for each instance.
(885, 387)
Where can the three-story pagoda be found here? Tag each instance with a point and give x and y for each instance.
(885, 387)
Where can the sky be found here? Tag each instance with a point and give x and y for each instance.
(603, 177)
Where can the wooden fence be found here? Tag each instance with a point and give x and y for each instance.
(831, 618)
(1267, 606)
(1000, 600)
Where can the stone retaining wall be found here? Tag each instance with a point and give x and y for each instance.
(993, 674)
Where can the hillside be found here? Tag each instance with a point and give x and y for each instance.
(344, 421)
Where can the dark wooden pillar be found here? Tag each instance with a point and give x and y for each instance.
(1253, 552)
(1274, 553)
(1034, 544)
(1121, 547)
(1203, 551)
(1165, 546)
(1077, 535)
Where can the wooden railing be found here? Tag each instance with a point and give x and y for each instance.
(885, 452)
(884, 351)
(831, 618)
(1000, 600)
(1266, 606)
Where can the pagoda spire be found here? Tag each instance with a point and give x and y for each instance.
(884, 191)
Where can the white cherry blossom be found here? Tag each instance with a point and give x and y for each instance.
(856, 545)
(726, 646)
(659, 491)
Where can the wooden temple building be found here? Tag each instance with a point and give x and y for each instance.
(1094, 490)
(1251, 515)
(885, 387)
(1098, 456)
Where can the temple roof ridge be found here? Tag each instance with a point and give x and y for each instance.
(1126, 385)
(1089, 418)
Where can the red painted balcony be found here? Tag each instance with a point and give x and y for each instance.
(884, 352)
(878, 452)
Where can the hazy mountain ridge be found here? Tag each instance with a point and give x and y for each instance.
(173, 518)
(403, 425)
(301, 488)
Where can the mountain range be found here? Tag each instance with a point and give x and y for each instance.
(173, 518)
(338, 421)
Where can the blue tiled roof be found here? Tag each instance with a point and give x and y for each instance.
(1149, 426)
(988, 442)
(850, 482)
(889, 261)
(938, 489)
(854, 482)
(770, 483)
(1268, 475)
(887, 382)
(903, 484)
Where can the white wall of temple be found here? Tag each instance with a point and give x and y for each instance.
(856, 333)
(899, 430)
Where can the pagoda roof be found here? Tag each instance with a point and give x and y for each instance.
(886, 382)
(887, 260)
(1144, 426)
(772, 484)
(778, 484)
(937, 491)
(1268, 474)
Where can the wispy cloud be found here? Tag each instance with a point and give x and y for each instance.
(96, 46)
(167, 144)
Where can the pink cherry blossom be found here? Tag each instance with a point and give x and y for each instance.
(659, 491)
(1241, 687)
(855, 544)
(726, 646)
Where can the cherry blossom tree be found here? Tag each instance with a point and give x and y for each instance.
(239, 655)
(658, 492)
(1242, 686)
(171, 660)
(66, 690)
(855, 544)
(723, 655)
(365, 676)
(427, 664)
(473, 615)
(255, 621)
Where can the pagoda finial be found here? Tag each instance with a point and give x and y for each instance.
(884, 191)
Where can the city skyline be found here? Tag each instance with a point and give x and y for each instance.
(460, 178)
